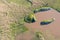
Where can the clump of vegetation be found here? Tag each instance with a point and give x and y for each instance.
(45, 8)
(18, 28)
(45, 22)
(36, 10)
(39, 36)
(42, 9)
(30, 18)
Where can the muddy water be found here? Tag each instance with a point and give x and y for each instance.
(50, 31)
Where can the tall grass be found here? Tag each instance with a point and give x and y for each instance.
(55, 4)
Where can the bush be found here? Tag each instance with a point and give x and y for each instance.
(42, 9)
(36, 10)
(45, 8)
(39, 36)
(30, 18)
(45, 22)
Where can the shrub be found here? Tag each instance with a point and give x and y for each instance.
(45, 22)
(30, 18)
(45, 8)
(39, 36)
(42, 9)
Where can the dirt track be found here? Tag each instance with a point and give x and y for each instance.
(51, 31)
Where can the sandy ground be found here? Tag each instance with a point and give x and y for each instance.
(51, 31)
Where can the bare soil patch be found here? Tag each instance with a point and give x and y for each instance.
(50, 31)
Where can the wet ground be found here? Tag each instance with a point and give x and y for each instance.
(50, 31)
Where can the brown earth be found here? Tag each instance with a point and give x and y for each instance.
(50, 31)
